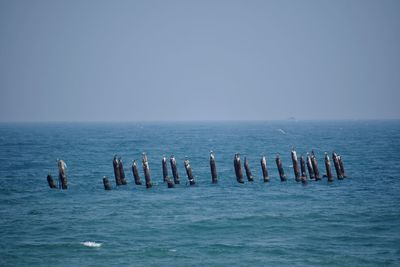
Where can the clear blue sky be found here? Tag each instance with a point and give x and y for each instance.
(199, 60)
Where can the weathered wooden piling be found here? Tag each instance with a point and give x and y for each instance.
(303, 176)
(135, 172)
(62, 175)
(337, 166)
(121, 171)
(146, 170)
(341, 166)
(106, 183)
(213, 167)
(165, 173)
(328, 168)
(50, 181)
(295, 165)
(315, 166)
(117, 173)
(238, 168)
(264, 169)
(174, 169)
(280, 168)
(164, 169)
(189, 172)
(310, 167)
(248, 171)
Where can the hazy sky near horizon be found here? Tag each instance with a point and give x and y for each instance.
(199, 60)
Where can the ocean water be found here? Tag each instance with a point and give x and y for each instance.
(352, 222)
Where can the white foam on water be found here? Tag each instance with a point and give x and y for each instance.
(91, 244)
(172, 250)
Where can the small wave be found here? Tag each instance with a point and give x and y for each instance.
(172, 250)
(91, 244)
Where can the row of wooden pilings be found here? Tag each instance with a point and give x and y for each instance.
(300, 172)
(120, 174)
(299, 168)
(62, 176)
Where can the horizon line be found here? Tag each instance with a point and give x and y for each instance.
(202, 121)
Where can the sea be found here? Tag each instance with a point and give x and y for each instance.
(349, 222)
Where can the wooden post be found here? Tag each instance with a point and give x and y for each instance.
(165, 173)
(50, 181)
(310, 167)
(264, 169)
(106, 183)
(337, 166)
(146, 170)
(328, 168)
(280, 168)
(135, 172)
(315, 166)
(248, 171)
(213, 167)
(341, 166)
(117, 173)
(174, 169)
(295, 166)
(62, 175)
(121, 171)
(303, 176)
(238, 168)
(189, 172)
(164, 169)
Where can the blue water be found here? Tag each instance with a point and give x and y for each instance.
(353, 222)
